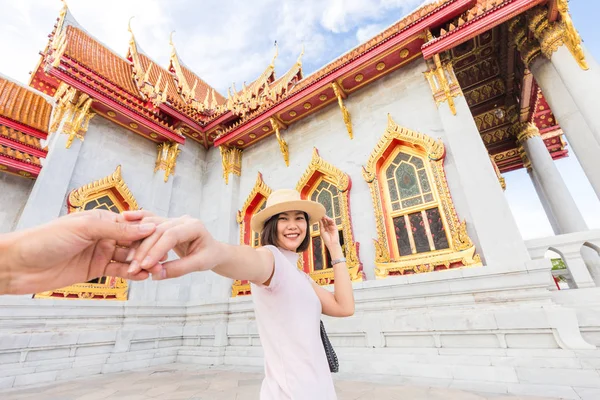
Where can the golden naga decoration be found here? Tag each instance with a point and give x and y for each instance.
(231, 159)
(501, 179)
(571, 36)
(166, 158)
(443, 82)
(341, 181)
(552, 35)
(345, 114)
(187, 88)
(265, 90)
(283, 146)
(460, 250)
(142, 76)
(73, 110)
(109, 193)
(255, 201)
(59, 42)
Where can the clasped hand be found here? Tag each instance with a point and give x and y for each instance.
(86, 245)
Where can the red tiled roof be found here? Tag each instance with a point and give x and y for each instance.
(24, 106)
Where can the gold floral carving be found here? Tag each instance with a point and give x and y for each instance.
(260, 190)
(79, 197)
(443, 82)
(461, 249)
(528, 49)
(342, 182)
(571, 36)
(527, 131)
(73, 110)
(231, 159)
(552, 35)
(283, 146)
(166, 158)
(112, 288)
(345, 113)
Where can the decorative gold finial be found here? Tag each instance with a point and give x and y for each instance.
(345, 113)
(166, 158)
(231, 159)
(283, 146)
(275, 56)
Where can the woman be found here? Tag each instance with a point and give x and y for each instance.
(288, 303)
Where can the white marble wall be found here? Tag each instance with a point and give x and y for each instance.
(14, 191)
(405, 95)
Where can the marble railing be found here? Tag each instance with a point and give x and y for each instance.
(579, 263)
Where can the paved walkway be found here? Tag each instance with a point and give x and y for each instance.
(193, 382)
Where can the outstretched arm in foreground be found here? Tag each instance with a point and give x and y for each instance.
(198, 251)
(71, 249)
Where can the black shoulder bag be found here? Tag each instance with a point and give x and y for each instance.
(332, 359)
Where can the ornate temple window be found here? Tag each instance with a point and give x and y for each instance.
(112, 194)
(255, 202)
(417, 226)
(324, 183)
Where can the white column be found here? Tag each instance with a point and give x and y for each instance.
(574, 126)
(564, 216)
(491, 224)
(48, 195)
(584, 86)
(555, 191)
(544, 200)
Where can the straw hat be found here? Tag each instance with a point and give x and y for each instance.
(286, 200)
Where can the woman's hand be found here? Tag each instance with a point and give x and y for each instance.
(330, 235)
(197, 249)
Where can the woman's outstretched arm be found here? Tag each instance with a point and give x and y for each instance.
(198, 251)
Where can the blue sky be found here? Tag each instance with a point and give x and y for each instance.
(227, 41)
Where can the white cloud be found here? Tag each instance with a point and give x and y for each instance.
(367, 32)
(222, 41)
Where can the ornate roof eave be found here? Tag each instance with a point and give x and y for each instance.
(175, 66)
(406, 30)
(137, 116)
(18, 167)
(479, 24)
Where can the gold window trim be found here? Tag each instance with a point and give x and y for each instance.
(260, 189)
(341, 181)
(115, 288)
(461, 249)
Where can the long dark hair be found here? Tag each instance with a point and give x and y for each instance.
(268, 236)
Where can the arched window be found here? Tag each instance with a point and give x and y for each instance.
(329, 186)
(112, 194)
(417, 226)
(255, 202)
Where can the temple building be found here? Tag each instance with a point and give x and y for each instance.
(404, 140)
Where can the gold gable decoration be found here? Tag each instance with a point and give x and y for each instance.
(460, 249)
(255, 201)
(109, 193)
(307, 185)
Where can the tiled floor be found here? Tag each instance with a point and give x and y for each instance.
(195, 382)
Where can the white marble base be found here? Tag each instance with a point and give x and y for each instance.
(496, 329)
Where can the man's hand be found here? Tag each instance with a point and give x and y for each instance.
(72, 249)
(197, 249)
